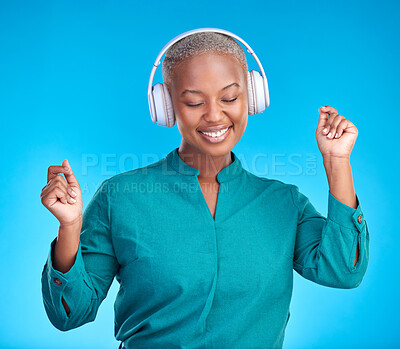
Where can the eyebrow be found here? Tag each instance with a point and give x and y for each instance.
(226, 87)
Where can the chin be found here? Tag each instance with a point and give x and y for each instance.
(215, 149)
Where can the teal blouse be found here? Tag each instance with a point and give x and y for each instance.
(187, 280)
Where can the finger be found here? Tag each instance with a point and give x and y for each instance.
(54, 195)
(340, 128)
(334, 121)
(329, 110)
(70, 199)
(57, 193)
(62, 193)
(54, 171)
(347, 126)
(323, 117)
(56, 179)
(325, 121)
(47, 185)
(57, 182)
(69, 175)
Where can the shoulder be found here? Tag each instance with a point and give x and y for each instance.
(275, 194)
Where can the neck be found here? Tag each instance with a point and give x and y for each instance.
(208, 165)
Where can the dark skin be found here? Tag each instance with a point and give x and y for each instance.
(209, 73)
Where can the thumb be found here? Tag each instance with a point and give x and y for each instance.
(323, 118)
(69, 175)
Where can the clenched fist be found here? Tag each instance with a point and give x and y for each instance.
(63, 197)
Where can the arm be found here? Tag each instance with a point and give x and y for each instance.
(72, 296)
(336, 137)
(340, 179)
(333, 251)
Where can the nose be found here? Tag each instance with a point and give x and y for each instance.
(214, 112)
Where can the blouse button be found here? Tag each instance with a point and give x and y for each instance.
(359, 219)
(57, 281)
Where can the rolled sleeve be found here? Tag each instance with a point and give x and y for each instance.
(345, 215)
(57, 285)
(71, 275)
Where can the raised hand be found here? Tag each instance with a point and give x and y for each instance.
(335, 135)
(63, 197)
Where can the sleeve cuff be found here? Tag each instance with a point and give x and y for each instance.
(345, 215)
(59, 279)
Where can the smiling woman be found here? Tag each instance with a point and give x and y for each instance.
(206, 259)
(206, 76)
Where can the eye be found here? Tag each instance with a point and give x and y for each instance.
(224, 100)
(230, 101)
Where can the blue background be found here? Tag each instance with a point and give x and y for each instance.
(73, 84)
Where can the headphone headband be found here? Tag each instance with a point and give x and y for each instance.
(181, 36)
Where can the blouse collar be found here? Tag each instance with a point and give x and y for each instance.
(228, 173)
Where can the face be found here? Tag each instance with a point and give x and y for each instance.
(209, 91)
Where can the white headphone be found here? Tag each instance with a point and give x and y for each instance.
(161, 109)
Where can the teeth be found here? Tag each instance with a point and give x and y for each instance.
(215, 134)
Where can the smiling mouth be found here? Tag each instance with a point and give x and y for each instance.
(216, 137)
(216, 134)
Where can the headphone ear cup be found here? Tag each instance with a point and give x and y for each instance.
(250, 92)
(159, 110)
(164, 113)
(255, 87)
(170, 115)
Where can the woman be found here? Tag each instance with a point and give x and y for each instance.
(204, 250)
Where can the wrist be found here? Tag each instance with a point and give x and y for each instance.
(335, 159)
(334, 162)
(72, 224)
(71, 229)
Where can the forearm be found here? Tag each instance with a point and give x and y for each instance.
(340, 180)
(66, 247)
